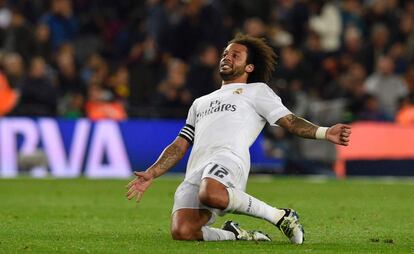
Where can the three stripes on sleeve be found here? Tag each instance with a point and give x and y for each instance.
(187, 132)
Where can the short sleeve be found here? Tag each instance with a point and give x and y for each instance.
(269, 105)
(188, 131)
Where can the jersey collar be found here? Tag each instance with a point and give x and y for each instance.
(231, 85)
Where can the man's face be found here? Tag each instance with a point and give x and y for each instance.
(233, 62)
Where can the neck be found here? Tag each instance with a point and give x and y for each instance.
(240, 79)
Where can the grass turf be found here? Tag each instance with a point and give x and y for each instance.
(92, 216)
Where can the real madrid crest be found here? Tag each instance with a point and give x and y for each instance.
(238, 91)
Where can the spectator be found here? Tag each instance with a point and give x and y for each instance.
(326, 22)
(377, 46)
(72, 106)
(329, 85)
(353, 81)
(293, 17)
(312, 52)
(68, 77)
(201, 23)
(14, 69)
(351, 15)
(63, 25)
(146, 67)
(38, 96)
(405, 115)
(93, 64)
(384, 12)
(292, 79)
(41, 42)
(119, 83)
(386, 86)
(19, 36)
(279, 37)
(397, 54)
(202, 72)
(371, 110)
(255, 27)
(352, 50)
(5, 14)
(8, 96)
(98, 69)
(162, 18)
(99, 106)
(409, 78)
(406, 35)
(172, 96)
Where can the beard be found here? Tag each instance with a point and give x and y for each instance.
(233, 73)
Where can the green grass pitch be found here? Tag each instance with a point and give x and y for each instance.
(93, 216)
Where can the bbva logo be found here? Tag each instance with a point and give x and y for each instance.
(96, 150)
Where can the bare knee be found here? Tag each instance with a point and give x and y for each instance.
(211, 200)
(184, 233)
(186, 224)
(213, 194)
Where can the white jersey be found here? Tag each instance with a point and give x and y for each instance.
(224, 124)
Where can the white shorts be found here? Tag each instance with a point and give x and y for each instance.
(186, 195)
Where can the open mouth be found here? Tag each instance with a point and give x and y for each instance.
(225, 67)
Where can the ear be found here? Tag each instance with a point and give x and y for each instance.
(249, 68)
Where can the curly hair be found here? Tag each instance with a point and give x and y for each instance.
(260, 54)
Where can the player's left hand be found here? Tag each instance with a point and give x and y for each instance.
(339, 134)
(139, 185)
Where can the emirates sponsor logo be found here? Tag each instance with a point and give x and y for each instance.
(214, 107)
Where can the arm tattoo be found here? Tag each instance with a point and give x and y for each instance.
(168, 159)
(300, 127)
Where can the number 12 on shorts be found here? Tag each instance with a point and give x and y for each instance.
(218, 171)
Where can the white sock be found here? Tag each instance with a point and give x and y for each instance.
(242, 203)
(215, 234)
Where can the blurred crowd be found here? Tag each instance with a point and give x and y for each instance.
(339, 60)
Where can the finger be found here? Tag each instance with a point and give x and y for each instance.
(131, 190)
(345, 135)
(345, 139)
(131, 183)
(346, 131)
(139, 196)
(139, 173)
(346, 126)
(132, 194)
(344, 142)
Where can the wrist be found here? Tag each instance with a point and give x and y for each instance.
(152, 173)
(321, 132)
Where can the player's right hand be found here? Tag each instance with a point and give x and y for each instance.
(339, 134)
(139, 185)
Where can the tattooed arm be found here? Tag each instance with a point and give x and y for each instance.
(338, 134)
(171, 155)
(298, 126)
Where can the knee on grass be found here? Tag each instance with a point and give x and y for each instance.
(185, 233)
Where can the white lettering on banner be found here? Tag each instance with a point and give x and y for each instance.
(107, 139)
(60, 164)
(10, 128)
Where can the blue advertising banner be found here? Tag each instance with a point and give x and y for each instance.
(71, 148)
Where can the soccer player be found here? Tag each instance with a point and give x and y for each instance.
(220, 127)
